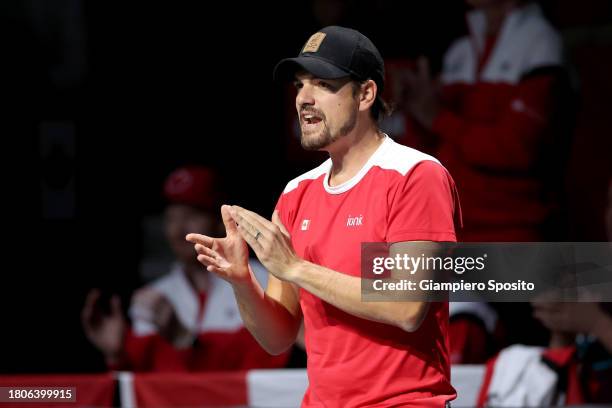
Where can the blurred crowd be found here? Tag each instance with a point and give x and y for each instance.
(503, 110)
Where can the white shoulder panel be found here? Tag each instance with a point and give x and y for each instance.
(309, 175)
(400, 158)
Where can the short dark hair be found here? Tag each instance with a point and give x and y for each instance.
(380, 108)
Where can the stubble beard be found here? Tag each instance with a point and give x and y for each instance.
(324, 138)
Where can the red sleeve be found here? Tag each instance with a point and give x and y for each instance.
(514, 140)
(282, 212)
(424, 206)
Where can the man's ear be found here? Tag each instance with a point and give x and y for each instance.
(367, 94)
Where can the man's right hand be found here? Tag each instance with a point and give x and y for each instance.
(227, 257)
(105, 330)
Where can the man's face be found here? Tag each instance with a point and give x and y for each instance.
(327, 109)
(183, 219)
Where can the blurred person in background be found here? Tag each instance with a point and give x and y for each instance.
(187, 320)
(587, 326)
(499, 120)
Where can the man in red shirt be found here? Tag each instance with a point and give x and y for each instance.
(371, 189)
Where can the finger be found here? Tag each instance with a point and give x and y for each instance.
(90, 302)
(251, 240)
(277, 221)
(211, 254)
(207, 260)
(253, 217)
(258, 222)
(214, 269)
(201, 249)
(228, 221)
(200, 239)
(245, 228)
(92, 298)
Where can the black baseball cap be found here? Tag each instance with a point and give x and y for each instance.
(336, 52)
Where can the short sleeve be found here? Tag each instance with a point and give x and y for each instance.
(281, 209)
(425, 206)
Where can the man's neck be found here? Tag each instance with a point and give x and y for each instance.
(351, 152)
(496, 14)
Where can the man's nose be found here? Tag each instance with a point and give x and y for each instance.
(304, 96)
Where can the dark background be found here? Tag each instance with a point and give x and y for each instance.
(145, 87)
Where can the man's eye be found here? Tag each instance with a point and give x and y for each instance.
(298, 85)
(325, 85)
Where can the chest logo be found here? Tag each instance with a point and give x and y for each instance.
(354, 221)
(305, 225)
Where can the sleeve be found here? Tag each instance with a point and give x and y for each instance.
(285, 211)
(425, 206)
(280, 208)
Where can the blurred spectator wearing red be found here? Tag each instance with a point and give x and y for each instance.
(187, 320)
(499, 122)
(588, 328)
(496, 118)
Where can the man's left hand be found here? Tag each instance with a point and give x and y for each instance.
(270, 241)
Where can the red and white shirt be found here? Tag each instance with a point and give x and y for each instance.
(399, 195)
(223, 342)
(499, 97)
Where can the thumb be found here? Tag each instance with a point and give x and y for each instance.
(228, 221)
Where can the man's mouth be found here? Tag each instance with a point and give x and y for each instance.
(309, 118)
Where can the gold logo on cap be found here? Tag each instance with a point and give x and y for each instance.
(314, 42)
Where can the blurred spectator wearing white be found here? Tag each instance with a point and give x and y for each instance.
(187, 320)
(495, 120)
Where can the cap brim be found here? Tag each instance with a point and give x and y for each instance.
(286, 69)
